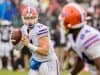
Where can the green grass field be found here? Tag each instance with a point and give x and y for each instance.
(5, 72)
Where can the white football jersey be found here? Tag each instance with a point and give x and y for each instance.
(38, 31)
(87, 38)
(87, 46)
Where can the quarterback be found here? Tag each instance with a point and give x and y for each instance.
(84, 39)
(36, 37)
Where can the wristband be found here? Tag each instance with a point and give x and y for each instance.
(32, 47)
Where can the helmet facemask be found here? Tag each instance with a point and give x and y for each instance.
(30, 19)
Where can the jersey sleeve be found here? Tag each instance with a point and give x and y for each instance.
(91, 40)
(42, 30)
(91, 43)
(89, 37)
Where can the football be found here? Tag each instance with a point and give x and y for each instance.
(16, 36)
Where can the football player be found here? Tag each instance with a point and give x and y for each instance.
(84, 39)
(36, 37)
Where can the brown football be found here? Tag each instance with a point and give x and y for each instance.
(16, 36)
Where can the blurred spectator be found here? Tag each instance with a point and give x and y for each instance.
(95, 17)
(52, 13)
(62, 2)
(3, 7)
(54, 6)
(12, 13)
(92, 4)
(43, 5)
(97, 11)
(79, 1)
(6, 46)
(31, 3)
(49, 16)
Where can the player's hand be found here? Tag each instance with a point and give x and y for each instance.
(25, 40)
(13, 42)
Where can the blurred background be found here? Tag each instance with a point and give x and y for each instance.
(15, 62)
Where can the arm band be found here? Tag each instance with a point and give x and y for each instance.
(32, 47)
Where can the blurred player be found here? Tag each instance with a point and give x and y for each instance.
(84, 39)
(5, 44)
(36, 37)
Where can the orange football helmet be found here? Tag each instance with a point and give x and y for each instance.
(28, 11)
(72, 15)
(29, 15)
